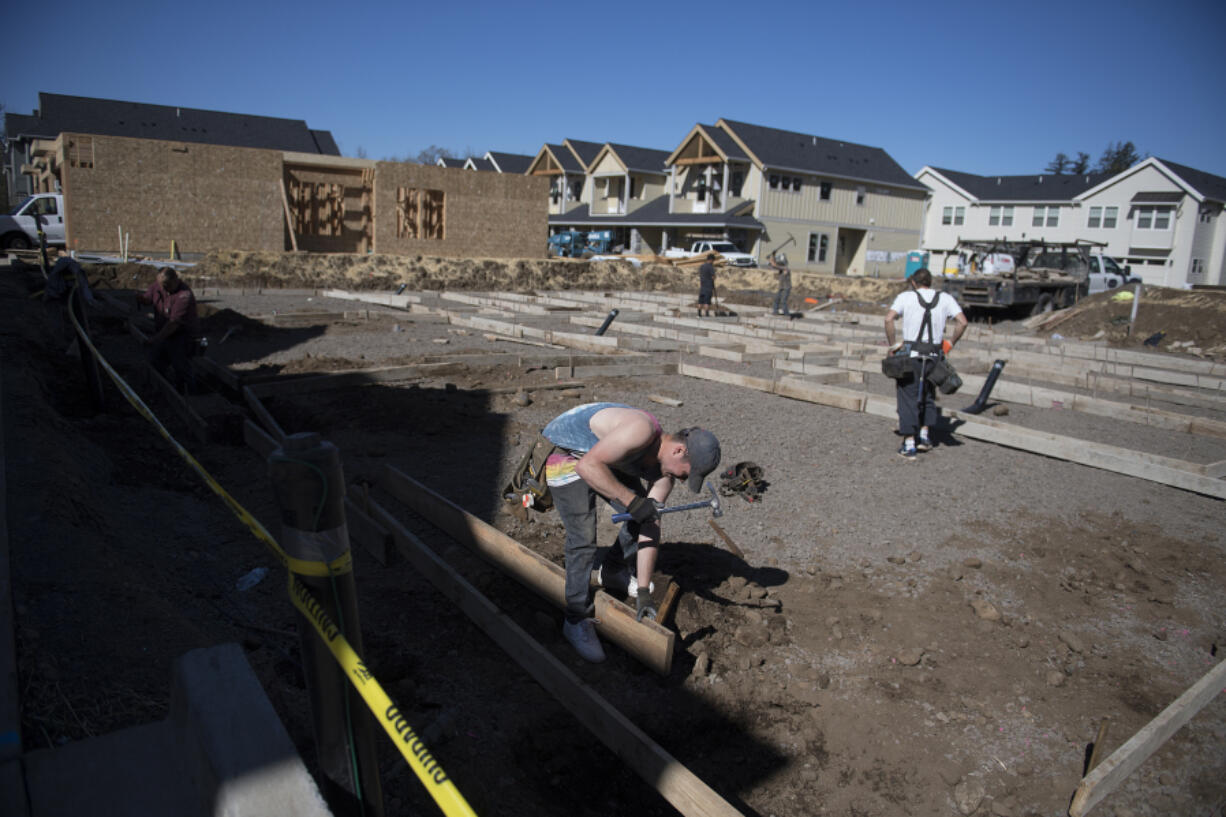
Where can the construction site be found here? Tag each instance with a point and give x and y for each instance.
(1025, 621)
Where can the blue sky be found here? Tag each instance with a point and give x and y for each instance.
(979, 87)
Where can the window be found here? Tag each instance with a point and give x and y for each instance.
(959, 215)
(736, 182)
(1153, 218)
(824, 195)
(947, 216)
(1198, 271)
(860, 193)
(1206, 215)
(555, 191)
(818, 243)
(1103, 217)
(774, 181)
(950, 215)
(576, 189)
(795, 184)
(419, 213)
(1049, 214)
(632, 182)
(702, 189)
(1000, 217)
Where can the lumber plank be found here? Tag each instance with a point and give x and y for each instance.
(259, 439)
(646, 641)
(665, 401)
(622, 370)
(374, 537)
(198, 427)
(359, 377)
(1215, 470)
(1125, 760)
(263, 415)
(677, 784)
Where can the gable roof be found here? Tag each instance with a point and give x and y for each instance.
(480, 163)
(641, 160)
(789, 150)
(561, 156)
(1033, 187)
(450, 161)
(585, 152)
(58, 113)
(1207, 184)
(509, 162)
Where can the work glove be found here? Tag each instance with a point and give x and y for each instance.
(645, 607)
(946, 347)
(643, 509)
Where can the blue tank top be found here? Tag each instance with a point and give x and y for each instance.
(572, 431)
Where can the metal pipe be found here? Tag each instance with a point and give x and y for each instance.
(613, 313)
(981, 401)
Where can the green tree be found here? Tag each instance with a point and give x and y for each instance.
(1058, 165)
(1081, 164)
(1117, 158)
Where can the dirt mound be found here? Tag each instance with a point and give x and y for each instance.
(1177, 320)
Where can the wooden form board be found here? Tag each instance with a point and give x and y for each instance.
(360, 377)
(1124, 761)
(198, 427)
(647, 641)
(626, 370)
(1176, 473)
(677, 784)
(381, 298)
(263, 415)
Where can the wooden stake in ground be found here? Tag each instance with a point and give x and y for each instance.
(1102, 781)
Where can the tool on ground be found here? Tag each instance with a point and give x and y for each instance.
(981, 402)
(740, 554)
(744, 478)
(1092, 752)
(712, 503)
(669, 603)
(613, 313)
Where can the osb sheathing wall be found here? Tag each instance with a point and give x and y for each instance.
(316, 220)
(484, 214)
(202, 197)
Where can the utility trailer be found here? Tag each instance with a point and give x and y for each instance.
(1045, 275)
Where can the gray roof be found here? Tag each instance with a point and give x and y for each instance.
(451, 161)
(107, 117)
(1208, 185)
(644, 160)
(511, 162)
(1158, 197)
(655, 213)
(788, 150)
(1034, 187)
(482, 163)
(725, 142)
(565, 158)
(585, 150)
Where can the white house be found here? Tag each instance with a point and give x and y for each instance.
(1161, 218)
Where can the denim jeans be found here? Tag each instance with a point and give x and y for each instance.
(576, 504)
(781, 299)
(909, 415)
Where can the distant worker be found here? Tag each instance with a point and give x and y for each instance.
(924, 314)
(177, 328)
(706, 285)
(622, 455)
(779, 262)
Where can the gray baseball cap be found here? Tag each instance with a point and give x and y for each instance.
(702, 451)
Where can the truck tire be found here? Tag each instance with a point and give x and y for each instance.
(17, 241)
(1046, 303)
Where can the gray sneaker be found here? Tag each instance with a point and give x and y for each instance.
(582, 636)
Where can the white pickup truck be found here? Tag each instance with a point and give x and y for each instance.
(725, 248)
(19, 229)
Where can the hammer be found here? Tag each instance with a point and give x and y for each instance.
(712, 503)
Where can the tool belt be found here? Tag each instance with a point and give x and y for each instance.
(744, 478)
(527, 486)
(941, 373)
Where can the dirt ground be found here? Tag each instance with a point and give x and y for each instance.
(931, 638)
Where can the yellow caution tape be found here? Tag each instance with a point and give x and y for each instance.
(411, 747)
(341, 565)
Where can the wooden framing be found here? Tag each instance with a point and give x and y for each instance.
(646, 641)
(198, 427)
(289, 216)
(1124, 761)
(263, 415)
(675, 783)
(359, 377)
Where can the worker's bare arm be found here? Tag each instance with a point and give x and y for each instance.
(961, 324)
(890, 317)
(620, 433)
